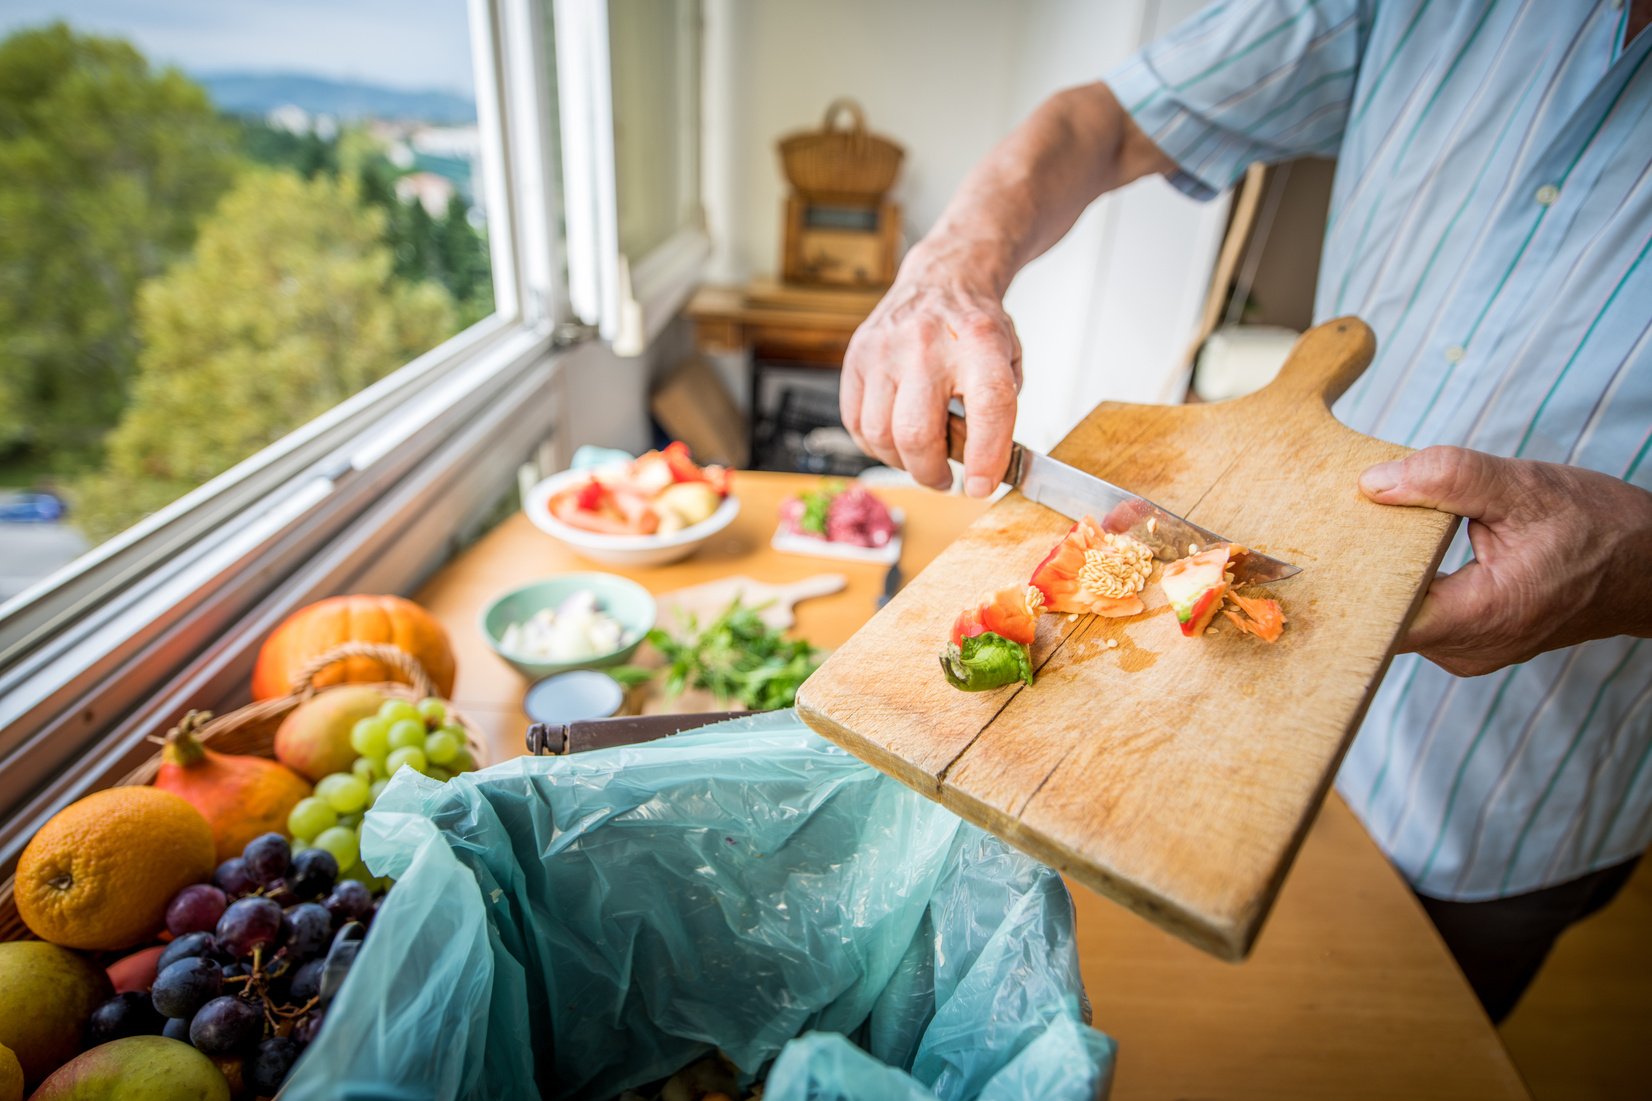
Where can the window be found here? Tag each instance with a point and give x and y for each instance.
(629, 87)
(222, 226)
(397, 459)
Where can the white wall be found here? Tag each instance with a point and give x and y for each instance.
(1108, 312)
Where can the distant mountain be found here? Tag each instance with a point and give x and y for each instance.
(260, 93)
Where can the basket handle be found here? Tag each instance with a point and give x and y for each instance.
(856, 115)
(393, 656)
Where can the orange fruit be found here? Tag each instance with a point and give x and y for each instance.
(99, 874)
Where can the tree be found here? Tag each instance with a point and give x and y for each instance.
(287, 306)
(105, 168)
(464, 262)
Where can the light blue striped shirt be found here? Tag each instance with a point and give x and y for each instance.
(1490, 219)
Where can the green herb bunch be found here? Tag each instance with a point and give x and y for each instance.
(736, 657)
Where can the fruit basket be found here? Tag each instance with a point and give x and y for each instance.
(251, 730)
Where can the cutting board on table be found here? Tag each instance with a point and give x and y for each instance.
(1175, 775)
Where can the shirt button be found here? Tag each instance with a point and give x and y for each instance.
(1547, 194)
(1455, 353)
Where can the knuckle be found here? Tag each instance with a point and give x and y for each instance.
(984, 328)
(911, 435)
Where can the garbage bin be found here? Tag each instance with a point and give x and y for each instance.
(572, 927)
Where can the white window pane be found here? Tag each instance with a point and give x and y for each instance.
(655, 70)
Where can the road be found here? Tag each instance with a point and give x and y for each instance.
(29, 552)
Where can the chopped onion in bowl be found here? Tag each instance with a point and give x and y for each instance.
(574, 630)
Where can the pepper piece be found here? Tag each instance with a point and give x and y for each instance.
(1095, 572)
(990, 644)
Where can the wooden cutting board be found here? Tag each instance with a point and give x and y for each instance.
(1175, 775)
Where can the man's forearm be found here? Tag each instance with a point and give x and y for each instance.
(1027, 193)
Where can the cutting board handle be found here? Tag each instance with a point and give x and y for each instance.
(1323, 364)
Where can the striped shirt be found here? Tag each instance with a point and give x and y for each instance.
(1491, 220)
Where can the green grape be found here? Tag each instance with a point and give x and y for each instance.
(397, 710)
(407, 732)
(462, 760)
(344, 792)
(309, 817)
(433, 710)
(342, 843)
(437, 772)
(350, 821)
(370, 737)
(411, 756)
(376, 790)
(363, 769)
(441, 747)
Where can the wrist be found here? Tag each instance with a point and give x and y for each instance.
(975, 262)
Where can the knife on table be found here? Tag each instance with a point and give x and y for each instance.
(1071, 492)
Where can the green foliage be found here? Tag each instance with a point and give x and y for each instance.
(737, 657)
(447, 250)
(105, 167)
(287, 306)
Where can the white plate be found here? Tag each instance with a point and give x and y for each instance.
(621, 550)
(886, 555)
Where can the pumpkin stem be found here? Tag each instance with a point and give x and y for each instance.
(182, 747)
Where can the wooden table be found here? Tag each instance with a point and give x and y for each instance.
(1349, 993)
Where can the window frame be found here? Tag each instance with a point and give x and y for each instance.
(112, 649)
(629, 300)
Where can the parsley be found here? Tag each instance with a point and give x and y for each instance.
(735, 657)
(816, 504)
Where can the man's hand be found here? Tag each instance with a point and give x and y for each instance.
(1562, 555)
(941, 332)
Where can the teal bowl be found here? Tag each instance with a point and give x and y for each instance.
(619, 597)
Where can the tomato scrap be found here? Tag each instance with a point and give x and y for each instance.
(1256, 615)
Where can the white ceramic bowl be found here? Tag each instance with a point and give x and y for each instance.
(621, 550)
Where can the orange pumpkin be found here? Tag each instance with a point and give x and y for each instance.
(327, 624)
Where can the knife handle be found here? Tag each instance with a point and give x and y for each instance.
(957, 432)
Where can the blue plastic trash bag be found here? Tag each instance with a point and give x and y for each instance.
(572, 927)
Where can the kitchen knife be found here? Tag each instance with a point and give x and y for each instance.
(1071, 492)
(891, 585)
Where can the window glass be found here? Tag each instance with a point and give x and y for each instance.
(655, 72)
(222, 219)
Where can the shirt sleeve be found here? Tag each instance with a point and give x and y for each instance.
(1246, 81)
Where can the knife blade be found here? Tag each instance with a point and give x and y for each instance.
(1072, 492)
(892, 582)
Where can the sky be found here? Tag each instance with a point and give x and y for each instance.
(422, 44)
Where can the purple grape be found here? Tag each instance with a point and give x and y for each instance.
(129, 1014)
(314, 873)
(186, 947)
(307, 1028)
(350, 901)
(234, 879)
(186, 986)
(236, 970)
(268, 857)
(306, 982)
(248, 924)
(271, 1063)
(281, 894)
(195, 909)
(309, 928)
(177, 1028)
(226, 1026)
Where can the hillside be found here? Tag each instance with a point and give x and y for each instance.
(259, 93)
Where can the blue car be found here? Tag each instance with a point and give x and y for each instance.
(31, 508)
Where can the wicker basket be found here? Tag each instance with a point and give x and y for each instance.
(831, 164)
(251, 730)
